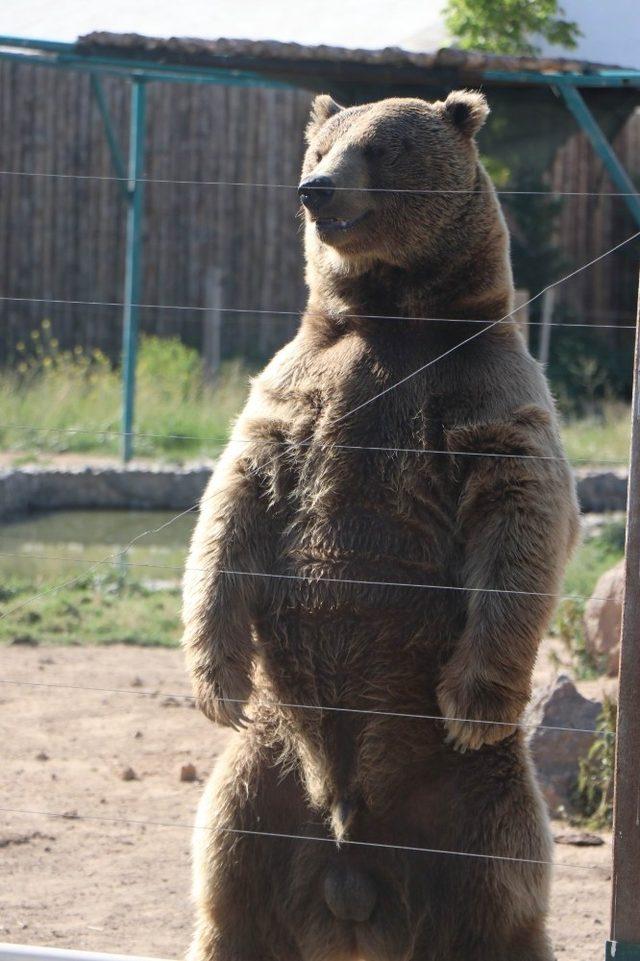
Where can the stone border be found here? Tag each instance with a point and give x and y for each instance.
(25, 489)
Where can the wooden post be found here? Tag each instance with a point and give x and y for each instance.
(212, 320)
(521, 311)
(625, 906)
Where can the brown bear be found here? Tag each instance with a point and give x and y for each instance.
(374, 565)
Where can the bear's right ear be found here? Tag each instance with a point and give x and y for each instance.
(322, 108)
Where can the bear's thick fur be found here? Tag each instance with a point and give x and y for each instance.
(303, 625)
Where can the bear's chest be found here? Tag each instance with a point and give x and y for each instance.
(364, 476)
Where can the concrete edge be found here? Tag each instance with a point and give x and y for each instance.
(27, 489)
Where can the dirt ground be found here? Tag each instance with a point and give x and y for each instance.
(121, 885)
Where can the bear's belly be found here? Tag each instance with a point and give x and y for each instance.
(359, 626)
(363, 590)
(354, 684)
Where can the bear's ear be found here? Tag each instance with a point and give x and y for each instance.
(467, 110)
(322, 108)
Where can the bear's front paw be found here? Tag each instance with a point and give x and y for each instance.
(477, 712)
(222, 696)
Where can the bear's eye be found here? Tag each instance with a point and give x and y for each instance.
(319, 156)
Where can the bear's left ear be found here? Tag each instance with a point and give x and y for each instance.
(322, 108)
(467, 110)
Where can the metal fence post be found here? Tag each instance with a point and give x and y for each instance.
(212, 325)
(625, 910)
(133, 262)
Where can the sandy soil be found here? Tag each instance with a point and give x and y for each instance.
(124, 886)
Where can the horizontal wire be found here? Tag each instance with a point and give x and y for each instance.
(349, 413)
(325, 446)
(278, 186)
(264, 311)
(411, 849)
(315, 707)
(308, 579)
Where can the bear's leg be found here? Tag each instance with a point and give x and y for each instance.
(241, 877)
(532, 943)
(259, 897)
(489, 900)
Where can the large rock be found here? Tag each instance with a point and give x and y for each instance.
(601, 490)
(555, 745)
(603, 619)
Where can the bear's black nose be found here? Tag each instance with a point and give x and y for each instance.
(316, 192)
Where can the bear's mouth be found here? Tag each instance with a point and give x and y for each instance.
(332, 225)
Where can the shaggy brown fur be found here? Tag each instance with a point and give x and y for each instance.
(291, 496)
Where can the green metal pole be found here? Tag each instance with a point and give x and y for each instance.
(112, 140)
(133, 263)
(621, 179)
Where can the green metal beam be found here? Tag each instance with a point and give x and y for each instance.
(112, 139)
(66, 56)
(133, 264)
(622, 951)
(603, 78)
(575, 102)
(30, 43)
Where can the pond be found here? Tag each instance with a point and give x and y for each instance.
(61, 542)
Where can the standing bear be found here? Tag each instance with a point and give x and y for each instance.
(375, 562)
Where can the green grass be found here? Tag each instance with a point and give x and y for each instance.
(595, 556)
(58, 390)
(599, 437)
(46, 387)
(120, 607)
(99, 609)
(593, 796)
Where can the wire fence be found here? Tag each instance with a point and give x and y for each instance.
(292, 445)
(275, 312)
(420, 191)
(309, 838)
(308, 579)
(118, 556)
(330, 708)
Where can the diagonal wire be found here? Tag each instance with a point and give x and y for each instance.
(110, 558)
(410, 849)
(365, 403)
(478, 333)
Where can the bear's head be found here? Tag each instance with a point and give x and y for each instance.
(383, 182)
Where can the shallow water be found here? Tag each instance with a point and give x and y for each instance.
(64, 541)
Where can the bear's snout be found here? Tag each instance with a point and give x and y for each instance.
(316, 192)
